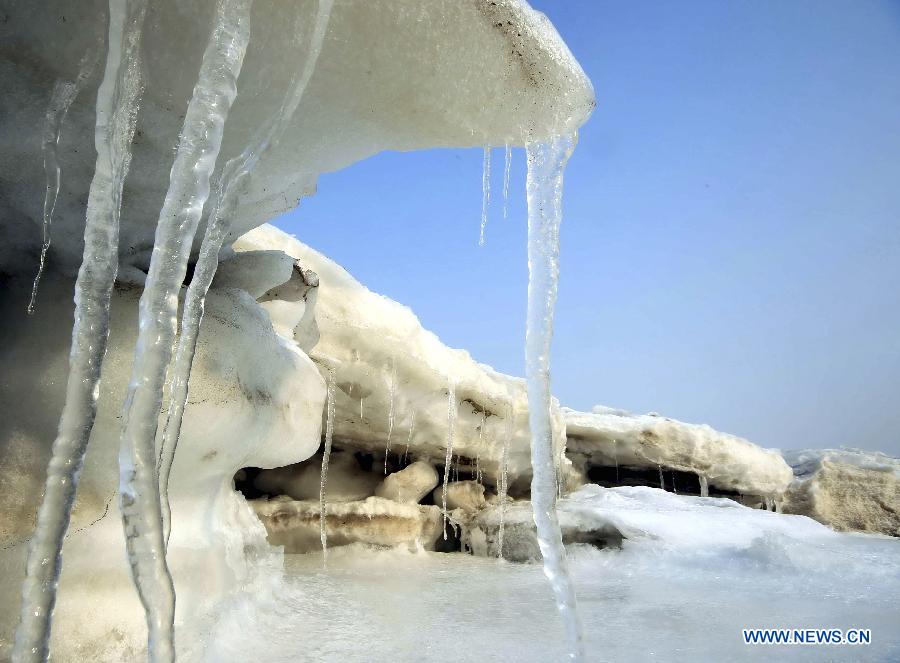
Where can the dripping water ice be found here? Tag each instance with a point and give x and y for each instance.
(662, 480)
(326, 455)
(117, 100)
(485, 192)
(451, 429)
(64, 93)
(387, 448)
(412, 425)
(228, 187)
(704, 486)
(506, 165)
(546, 164)
(195, 159)
(503, 489)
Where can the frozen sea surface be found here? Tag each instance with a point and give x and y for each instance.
(693, 573)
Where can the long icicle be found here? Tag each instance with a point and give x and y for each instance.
(546, 164)
(412, 426)
(485, 192)
(326, 456)
(198, 148)
(448, 460)
(64, 93)
(387, 447)
(117, 101)
(507, 162)
(218, 226)
(503, 490)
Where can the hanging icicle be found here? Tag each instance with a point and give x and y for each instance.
(506, 166)
(448, 459)
(326, 455)
(219, 223)
(117, 103)
(64, 93)
(546, 164)
(485, 192)
(195, 159)
(503, 489)
(387, 448)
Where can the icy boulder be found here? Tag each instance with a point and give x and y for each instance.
(846, 489)
(392, 75)
(254, 401)
(618, 441)
(465, 495)
(410, 484)
(393, 376)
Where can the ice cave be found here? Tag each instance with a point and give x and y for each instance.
(219, 445)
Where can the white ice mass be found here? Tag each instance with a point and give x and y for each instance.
(258, 408)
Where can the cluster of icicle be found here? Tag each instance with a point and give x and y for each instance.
(143, 472)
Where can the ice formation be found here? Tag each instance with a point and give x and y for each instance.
(614, 438)
(219, 223)
(536, 91)
(451, 428)
(64, 93)
(507, 163)
(117, 99)
(546, 164)
(195, 160)
(847, 489)
(485, 192)
(326, 457)
(361, 331)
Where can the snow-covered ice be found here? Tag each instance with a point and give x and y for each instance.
(693, 572)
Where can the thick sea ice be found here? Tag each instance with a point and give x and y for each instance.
(693, 574)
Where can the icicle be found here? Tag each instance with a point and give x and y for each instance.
(506, 165)
(387, 447)
(412, 425)
(546, 163)
(117, 102)
(478, 476)
(360, 409)
(448, 459)
(219, 221)
(704, 486)
(770, 504)
(64, 93)
(326, 455)
(503, 489)
(662, 481)
(674, 487)
(195, 159)
(485, 192)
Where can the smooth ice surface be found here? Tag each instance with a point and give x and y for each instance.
(668, 594)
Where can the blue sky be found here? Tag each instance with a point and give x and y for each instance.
(731, 239)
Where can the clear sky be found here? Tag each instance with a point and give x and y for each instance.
(731, 239)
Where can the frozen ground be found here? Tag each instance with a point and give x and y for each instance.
(693, 573)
